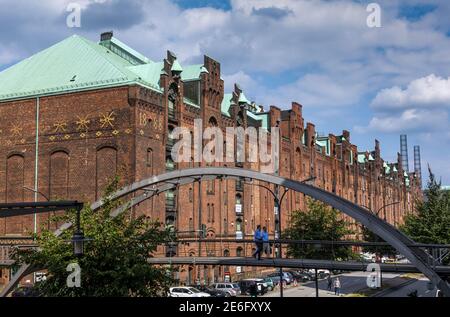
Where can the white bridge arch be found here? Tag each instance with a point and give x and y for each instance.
(160, 183)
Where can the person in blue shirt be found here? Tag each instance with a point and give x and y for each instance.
(258, 238)
(265, 238)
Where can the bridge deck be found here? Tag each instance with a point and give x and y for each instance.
(292, 263)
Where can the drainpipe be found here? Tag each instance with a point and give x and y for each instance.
(36, 163)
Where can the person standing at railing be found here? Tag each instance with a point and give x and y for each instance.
(258, 238)
(265, 238)
(337, 287)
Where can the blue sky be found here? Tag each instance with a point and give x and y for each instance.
(376, 82)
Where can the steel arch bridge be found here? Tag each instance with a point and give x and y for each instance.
(161, 183)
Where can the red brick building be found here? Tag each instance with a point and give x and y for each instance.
(79, 112)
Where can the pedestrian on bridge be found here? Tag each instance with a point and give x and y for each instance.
(266, 245)
(258, 238)
(337, 287)
(330, 282)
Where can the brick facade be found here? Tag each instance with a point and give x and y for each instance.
(87, 137)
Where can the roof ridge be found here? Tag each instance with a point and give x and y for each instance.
(95, 46)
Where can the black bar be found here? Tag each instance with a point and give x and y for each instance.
(317, 282)
(28, 208)
(321, 242)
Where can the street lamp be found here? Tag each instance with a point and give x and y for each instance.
(37, 192)
(35, 216)
(78, 238)
(382, 207)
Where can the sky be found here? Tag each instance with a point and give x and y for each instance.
(376, 82)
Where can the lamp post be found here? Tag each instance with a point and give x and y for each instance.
(35, 215)
(277, 218)
(78, 236)
(377, 214)
(384, 206)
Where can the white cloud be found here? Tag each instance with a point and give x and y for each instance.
(427, 91)
(331, 59)
(245, 81)
(410, 120)
(315, 91)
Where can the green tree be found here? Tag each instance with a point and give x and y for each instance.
(115, 259)
(431, 221)
(318, 222)
(369, 236)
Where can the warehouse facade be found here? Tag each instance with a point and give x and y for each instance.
(78, 113)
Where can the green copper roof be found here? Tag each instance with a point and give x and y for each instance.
(361, 158)
(226, 104)
(125, 51)
(149, 73)
(263, 117)
(70, 65)
(193, 72)
(243, 99)
(371, 158)
(176, 66)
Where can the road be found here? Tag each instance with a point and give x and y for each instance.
(421, 285)
(350, 283)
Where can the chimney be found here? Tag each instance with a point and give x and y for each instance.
(106, 36)
(404, 152)
(346, 135)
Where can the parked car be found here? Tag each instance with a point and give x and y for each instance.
(322, 273)
(286, 277)
(214, 292)
(231, 288)
(297, 276)
(261, 284)
(275, 279)
(247, 284)
(186, 291)
(270, 283)
(302, 277)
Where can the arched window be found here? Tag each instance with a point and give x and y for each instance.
(238, 199)
(212, 122)
(239, 252)
(106, 168)
(170, 220)
(238, 225)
